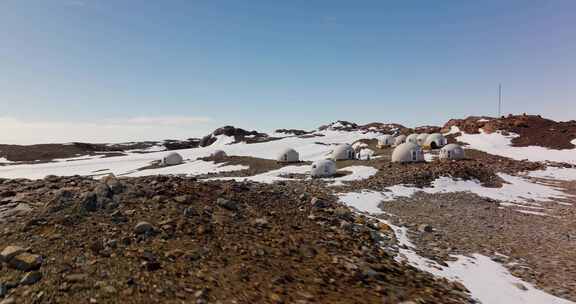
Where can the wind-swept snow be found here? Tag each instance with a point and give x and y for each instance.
(487, 281)
(499, 144)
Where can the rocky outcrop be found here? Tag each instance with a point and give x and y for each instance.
(239, 135)
(532, 130)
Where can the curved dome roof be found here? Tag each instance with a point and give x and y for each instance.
(344, 151)
(452, 151)
(407, 152)
(413, 138)
(323, 168)
(288, 155)
(400, 139)
(422, 138)
(172, 158)
(438, 139)
(218, 154)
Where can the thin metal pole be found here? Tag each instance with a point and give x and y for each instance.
(499, 100)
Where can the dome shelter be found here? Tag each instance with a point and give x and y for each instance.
(412, 138)
(323, 168)
(435, 141)
(218, 155)
(421, 139)
(288, 155)
(400, 139)
(407, 153)
(359, 146)
(343, 152)
(385, 141)
(172, 159)
(452, 152)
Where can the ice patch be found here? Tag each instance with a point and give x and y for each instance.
(358, 173)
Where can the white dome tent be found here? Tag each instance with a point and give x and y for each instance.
(385, 141)
(407, 153)
(218, 155)
(412, 138)
(172, 159)
(452, 152)
(343, 152)
(288, 155)
(400, 139)
(435, 141)
(421, 139)
(323, 168)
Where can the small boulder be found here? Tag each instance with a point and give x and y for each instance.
(227, 204)
(425, 228)
(143, 228)
(9, 252)
(26, 261)
(89, 201)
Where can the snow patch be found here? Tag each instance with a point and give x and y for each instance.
(189, 168)
(499, 144)
(564, 174)
(358, 173)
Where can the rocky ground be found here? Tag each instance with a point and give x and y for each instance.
(539, 249)
(177, 240)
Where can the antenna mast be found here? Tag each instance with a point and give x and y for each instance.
(499, 100)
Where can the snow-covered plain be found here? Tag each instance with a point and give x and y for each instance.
(488, 281)
(499, 144)
(310, 149)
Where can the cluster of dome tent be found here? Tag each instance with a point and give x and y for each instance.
(408, 149)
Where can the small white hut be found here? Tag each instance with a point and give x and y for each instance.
(421, 139)
(172, 159)
(218, 155)
(288, 155)
(435, 141)
(408, 153)
(452, 151)
(412, 138)
(323, 168)
(400, 139)
(343, 152)
(385, 141)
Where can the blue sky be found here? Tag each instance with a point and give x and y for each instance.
(135, 69)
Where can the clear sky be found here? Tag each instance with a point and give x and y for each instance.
(101, 70)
